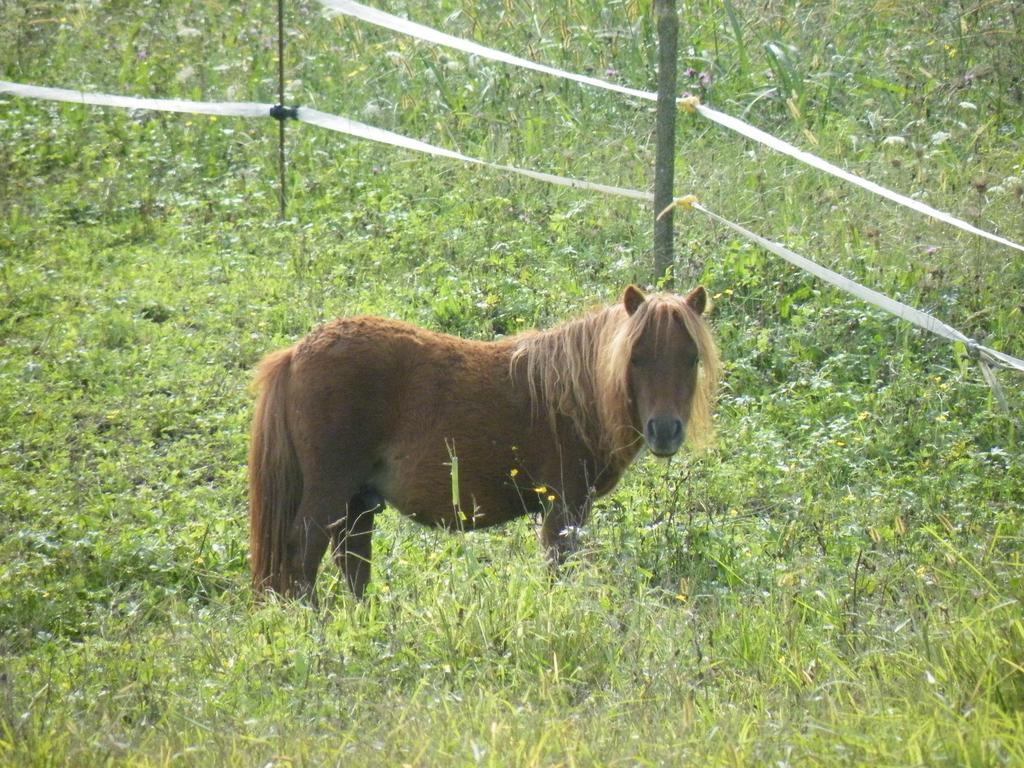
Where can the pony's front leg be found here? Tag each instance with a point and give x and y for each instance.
(560, 531)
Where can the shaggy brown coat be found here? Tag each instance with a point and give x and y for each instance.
(464, 434)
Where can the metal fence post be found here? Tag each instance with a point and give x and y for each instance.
(665, 135)
(281, 192)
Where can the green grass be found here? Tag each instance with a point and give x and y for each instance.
(838, 581)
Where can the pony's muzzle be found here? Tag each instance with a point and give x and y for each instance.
(664, 435)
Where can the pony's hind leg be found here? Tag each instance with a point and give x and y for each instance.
(352, 538)
(307, 541)
(312, 531)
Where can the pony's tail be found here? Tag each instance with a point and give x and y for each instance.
(275, 479)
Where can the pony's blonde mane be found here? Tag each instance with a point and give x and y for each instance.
(580, 371)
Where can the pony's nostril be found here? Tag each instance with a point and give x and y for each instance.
(665, 433)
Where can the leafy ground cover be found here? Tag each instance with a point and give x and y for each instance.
(836, 581)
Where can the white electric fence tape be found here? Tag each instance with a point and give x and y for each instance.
(353, 128)
(306, 115)
(225, 108)
(361, 130)
(901, 310)
(421, 32)
(823, 165)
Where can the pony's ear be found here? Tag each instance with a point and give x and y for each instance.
(697, 299)
(632, 298)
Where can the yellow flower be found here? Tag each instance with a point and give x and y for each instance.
(541, 489)
(551, 497)
(513, 472)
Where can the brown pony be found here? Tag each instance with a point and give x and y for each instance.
(464, 434)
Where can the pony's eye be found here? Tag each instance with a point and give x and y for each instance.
(638, 361)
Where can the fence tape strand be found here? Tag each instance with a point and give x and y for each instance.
(880, 300)
(814, 161)
(224, 108)
(361, 130)
(344, 125)
(428, 34)
(431, 35)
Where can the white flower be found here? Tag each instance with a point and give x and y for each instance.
(894, 141)
(940, 137)
(372, 109)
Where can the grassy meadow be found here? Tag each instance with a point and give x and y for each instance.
(836, 581)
